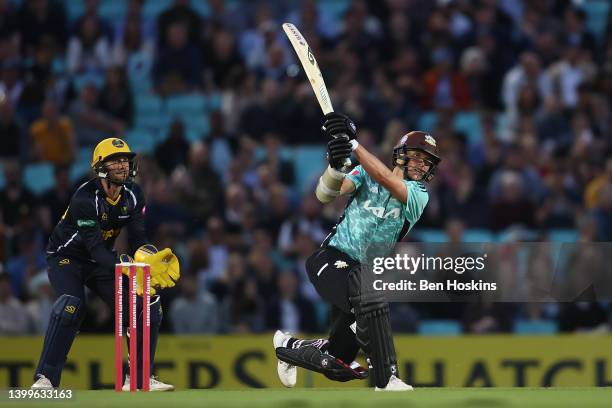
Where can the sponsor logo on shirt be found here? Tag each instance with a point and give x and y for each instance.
(86, 223)
(380, 211)
(340, 264)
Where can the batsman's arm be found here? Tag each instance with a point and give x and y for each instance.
(381, 173)
(333, 183)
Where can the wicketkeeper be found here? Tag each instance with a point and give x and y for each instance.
(80, 254)
(384, 205)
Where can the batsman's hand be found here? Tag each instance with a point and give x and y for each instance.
(338, 150)
(165, 268)
(337, 124)
(125, 258)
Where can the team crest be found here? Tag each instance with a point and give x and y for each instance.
(124, 210)
(118, 143)
(340, 264)
(104, 216)
(429, 139)
(64, 261)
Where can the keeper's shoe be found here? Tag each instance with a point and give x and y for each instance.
(287, 373)
(154, 385)
(42, 383)
(395, 384)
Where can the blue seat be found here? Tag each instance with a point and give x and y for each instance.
(530, 327)
(153, 8)
(38, 177)
(2, 180)
(439, 327)
(427, 121)
(563, 235)
(112, 10)
(309, 164)
(469, 124)
(597, 16)
(185, 106)
(431, 235)
(197, 127)
(141, 140)
(147, 104)
(89, 78)
(74, 9)
(82, 164)
(337, 8)
(478, 236)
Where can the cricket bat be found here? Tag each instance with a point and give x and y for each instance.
(311, 68)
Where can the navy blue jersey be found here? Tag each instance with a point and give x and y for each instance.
(92, 222)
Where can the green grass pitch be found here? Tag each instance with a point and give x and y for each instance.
(338, 397)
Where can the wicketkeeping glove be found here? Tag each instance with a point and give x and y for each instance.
(165, 268)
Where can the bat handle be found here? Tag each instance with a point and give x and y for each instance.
(347, 162)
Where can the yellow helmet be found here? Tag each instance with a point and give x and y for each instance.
(109, 148)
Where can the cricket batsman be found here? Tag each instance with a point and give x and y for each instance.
(80, 254)
(384, 205)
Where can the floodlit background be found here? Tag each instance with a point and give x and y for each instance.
(210, 95)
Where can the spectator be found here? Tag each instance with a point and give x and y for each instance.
(55, 201)
(89, 51)
(131, 41)
(444, 87)
(91, 12)
(179, 13)
(178, 67)
(243, 311)
(92, 124)
(194, 312)
(116, 97)
(14, 319)
(11, 82)
(53, 137)
(10, 129)
(290, 312)
(16, 201)
(40, 20)
(511, 208)
(40, 305)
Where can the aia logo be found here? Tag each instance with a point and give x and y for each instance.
(380, 211)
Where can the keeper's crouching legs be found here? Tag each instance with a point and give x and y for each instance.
(373, 332)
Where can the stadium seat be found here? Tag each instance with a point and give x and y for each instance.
(309, 164)
(82, 164)
(597, 16)
(478, 236)
(74, 9)
(38, 177)
(153, 8)
(439, 327)
(469, 124)
(530, 327)
(147, 104)
(185, 106)
(2, 180)
(336, 8)
(112, 10)
(89, 78)
(141, 140)
(197, 127)
(430, 235)
(427, 121)
(563, 235)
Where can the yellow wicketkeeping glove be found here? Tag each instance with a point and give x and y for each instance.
(139, 275)
(165, 268)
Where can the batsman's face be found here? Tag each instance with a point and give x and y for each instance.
(118, 168)
(417, 164)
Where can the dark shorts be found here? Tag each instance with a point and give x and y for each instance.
(328, 270)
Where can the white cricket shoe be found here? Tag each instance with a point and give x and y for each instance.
(395, 384)
(154, 385)
(42, 383)
(287, 373)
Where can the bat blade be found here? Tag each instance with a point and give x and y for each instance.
(310, 66)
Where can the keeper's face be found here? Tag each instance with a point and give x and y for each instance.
(418, 164)
(118, 168)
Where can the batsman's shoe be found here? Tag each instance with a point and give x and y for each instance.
(42, 383)
(395, 384)
(154, 385)
(287, 373)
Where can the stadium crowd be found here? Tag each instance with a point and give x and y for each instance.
(517, 93)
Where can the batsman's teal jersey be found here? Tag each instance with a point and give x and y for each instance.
(374, 216)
